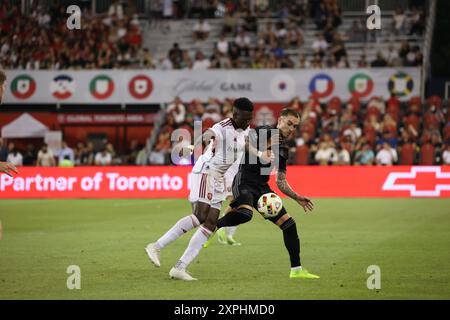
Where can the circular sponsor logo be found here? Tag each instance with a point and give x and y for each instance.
(101, 87)
(360, 85)
(401, 84)
(321, 86)
(23, 86)
(62, 87)
(140, 87)
(282, 87)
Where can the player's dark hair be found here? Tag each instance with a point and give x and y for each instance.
(289, 112)
(243, 104)
(2, 76)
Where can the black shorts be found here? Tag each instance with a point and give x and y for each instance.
(249, 194)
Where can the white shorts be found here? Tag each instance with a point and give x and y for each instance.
(207, 189)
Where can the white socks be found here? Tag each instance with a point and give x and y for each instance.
(195, 245)
(230, 231)
(181, 227)
(297, 268)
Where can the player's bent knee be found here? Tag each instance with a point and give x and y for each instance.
(288, 224)
(245, 213)
(282, 219)
(245, 206)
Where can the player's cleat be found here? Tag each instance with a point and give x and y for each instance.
(302, 274)
(222, 236)
(232, 242)
(153, 254)
(180, 274)
(208, 242)
(224, 239)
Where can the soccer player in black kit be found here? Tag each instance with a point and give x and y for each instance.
(251, 182)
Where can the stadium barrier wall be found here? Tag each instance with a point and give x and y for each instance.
(173, 182)
(144, 86)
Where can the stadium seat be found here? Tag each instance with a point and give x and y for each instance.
(393, 108)
(309, 128)
(356, 104)
(407, 154)
(414, 101)
(393, 102)
(373, 110)
(413, 120)
(430, 120)
(207, 123)
(302, 155)
(427, 154)
(334, 104)
(370, 133)
(434, 100)
(447, 132)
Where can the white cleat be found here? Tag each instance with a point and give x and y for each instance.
(180, 274)
(153, 254)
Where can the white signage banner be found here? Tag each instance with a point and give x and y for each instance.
(154, 86)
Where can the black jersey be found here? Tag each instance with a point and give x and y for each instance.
(251, 170)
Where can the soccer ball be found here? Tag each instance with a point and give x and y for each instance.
(269, 205)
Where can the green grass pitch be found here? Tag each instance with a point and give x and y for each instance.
(409, 239)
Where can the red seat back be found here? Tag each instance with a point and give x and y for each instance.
(301, 155)
(427, 155)
(407, 154)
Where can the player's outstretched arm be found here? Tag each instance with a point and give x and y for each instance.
(8, 168)
(284, 187)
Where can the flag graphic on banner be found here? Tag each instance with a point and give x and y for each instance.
(62, 87)
(23, 86)
(321, 86)
(140, 87)
(360, 85)
(101, 87)
(401, 84)
(282, 86)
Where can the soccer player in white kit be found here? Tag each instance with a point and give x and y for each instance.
(208, 186)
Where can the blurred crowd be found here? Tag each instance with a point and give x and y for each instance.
(339, 132)
(114, 39)
(246, 43)
(42, 40)
(379, 132)
(85, 153)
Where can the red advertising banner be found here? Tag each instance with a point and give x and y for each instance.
(173, 182)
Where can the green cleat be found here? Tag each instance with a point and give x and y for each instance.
(208, 242)
(222, 236)
(232, 242)
(302, 274)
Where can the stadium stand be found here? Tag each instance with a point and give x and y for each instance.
(283, 34)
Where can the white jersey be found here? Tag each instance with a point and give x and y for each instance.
(227, 147)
